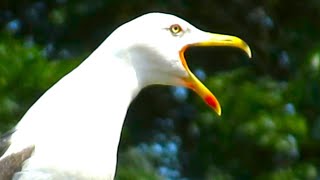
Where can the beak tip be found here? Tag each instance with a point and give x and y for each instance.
(248, 51)
(218, 110)
(219, 113)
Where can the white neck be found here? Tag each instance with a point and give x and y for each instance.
(93, 98)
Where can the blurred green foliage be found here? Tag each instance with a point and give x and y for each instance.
(24, 75)
(270, 123)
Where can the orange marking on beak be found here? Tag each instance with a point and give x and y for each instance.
(211, 101)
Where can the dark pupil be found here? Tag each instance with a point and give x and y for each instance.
(175, 28)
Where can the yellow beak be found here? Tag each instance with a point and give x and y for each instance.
(193, 82)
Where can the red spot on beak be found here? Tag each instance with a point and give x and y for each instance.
(211, 101)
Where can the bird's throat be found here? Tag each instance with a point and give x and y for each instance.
(93, 98)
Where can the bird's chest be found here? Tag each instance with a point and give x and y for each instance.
(68, 166)
(78, 156)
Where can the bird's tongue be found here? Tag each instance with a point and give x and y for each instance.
(195, 84)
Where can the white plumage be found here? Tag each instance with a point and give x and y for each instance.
(75, 126)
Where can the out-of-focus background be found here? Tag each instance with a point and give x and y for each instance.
(270, 123)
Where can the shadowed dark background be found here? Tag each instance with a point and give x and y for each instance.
(270, 123)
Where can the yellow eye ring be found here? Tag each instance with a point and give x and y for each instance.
(175, 29)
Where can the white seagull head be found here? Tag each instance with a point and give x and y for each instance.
(155, 47)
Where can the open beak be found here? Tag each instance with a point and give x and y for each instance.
(210, 39)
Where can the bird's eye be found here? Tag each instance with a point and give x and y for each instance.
(175, 29)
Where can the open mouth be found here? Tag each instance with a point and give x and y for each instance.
(193, 82)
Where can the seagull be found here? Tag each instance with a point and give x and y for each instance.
(73, 130)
